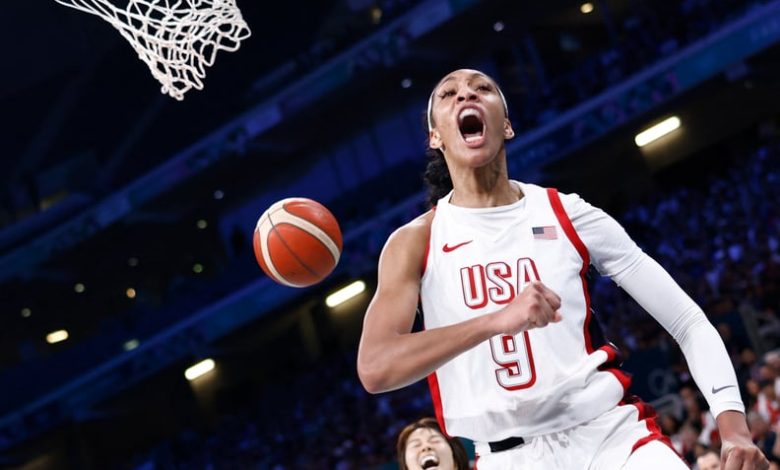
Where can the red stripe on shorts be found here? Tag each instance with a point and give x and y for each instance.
(648, 415)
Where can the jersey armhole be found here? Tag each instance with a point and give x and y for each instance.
(568, 228)
(427, 247)
(433, 379)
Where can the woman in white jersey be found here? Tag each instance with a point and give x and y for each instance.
(512, 357)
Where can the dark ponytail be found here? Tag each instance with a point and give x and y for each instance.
(436, 176)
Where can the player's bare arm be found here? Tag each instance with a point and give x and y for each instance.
(390, 356)
(738, 450)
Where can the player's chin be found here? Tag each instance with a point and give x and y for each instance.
(481, 156)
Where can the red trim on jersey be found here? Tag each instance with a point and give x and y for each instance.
(425, 256)
(612, 366)
(433, 380)
(568, 228)
(433, 385)
(427, 246)
(622, 377)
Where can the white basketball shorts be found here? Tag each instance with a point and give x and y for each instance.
(604, 443)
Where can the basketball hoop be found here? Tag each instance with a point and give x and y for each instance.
(177, 39)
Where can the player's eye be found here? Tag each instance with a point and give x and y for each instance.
(446, 93)
(484, 87)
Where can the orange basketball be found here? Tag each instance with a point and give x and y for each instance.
(297, 242)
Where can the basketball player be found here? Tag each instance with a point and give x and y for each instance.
(422, 446)
(513, 358)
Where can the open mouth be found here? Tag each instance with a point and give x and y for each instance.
(471, 126)
(429, 461)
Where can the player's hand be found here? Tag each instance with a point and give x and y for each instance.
(739, 453)
(535, 307)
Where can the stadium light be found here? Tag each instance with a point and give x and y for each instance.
(657, 131)
(586, 8)
(57, 336)
(130, 344)
(193, 372)
(345, 293)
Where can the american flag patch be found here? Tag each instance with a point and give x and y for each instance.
(545, 233)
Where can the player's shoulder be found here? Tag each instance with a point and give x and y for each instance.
(414, 233)
(531, 187)
(406, 247)
(573, 204)
(568, 200)
(563, 195)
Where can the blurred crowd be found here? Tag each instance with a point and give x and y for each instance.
(649, 32)
(316, 421)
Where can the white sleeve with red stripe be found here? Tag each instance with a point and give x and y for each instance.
(616, 255)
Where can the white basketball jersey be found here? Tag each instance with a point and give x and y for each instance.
(536, 382)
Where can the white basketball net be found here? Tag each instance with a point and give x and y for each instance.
(177, 39)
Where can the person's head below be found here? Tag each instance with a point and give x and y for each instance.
(709, 460)
(421, 445)
(757, 424)
(468, 123)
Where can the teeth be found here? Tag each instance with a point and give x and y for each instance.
(467, 112)
(427, 459)
(472, 138)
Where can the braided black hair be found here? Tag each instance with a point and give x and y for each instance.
(437, 176)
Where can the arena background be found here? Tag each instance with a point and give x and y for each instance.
(126, 217)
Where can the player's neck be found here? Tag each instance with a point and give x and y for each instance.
(484, 189)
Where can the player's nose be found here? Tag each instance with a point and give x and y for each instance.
(466, 94)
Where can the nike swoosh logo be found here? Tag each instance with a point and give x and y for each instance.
(716, 390)
(448, 248)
